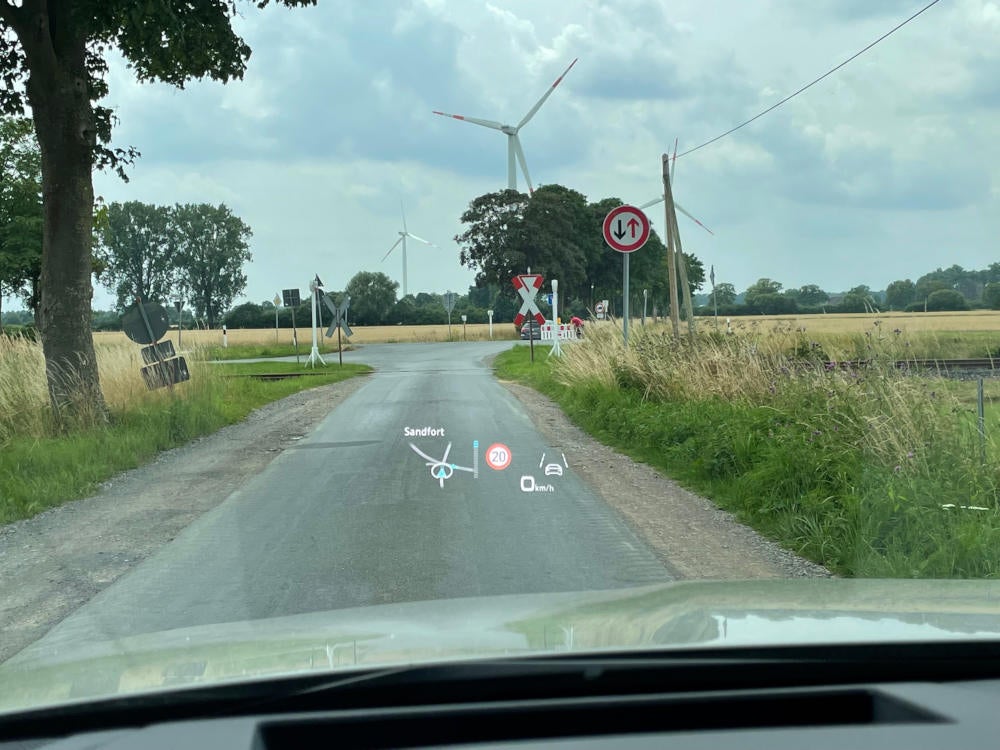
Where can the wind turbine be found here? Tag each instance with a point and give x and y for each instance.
(514, 150)
(402, 240)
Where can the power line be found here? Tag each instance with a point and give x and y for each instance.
(812, 83)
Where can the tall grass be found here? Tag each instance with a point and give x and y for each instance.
(41, 466)
(851, 468)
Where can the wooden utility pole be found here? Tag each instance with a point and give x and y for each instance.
(682, 267)
(668, 203)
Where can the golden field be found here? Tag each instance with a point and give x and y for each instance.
(971, 320)
(847, 323)
(362, 335)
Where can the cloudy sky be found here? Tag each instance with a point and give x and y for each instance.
(887, 169)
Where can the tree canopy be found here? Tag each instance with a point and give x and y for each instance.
(55, 62)
(557, 233)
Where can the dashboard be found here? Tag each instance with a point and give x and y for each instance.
(748, 699)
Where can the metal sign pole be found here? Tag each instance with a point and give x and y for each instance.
(340, 347)
(295, 337)
(625, 296)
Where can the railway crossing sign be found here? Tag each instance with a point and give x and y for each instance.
(527, 285)
(626, 229)
(339, 313)
(339, 322)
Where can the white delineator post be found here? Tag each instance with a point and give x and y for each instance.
(225, 338)
(555, 319)
(490, 314)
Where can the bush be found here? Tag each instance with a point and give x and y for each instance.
(946, 299)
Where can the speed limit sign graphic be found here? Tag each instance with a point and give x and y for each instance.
(498, 456)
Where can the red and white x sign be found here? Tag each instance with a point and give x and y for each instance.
(527, 285)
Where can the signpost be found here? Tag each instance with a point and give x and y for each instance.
(179, 305)
(277, 304)
(489, 313)
(527, 286)
(625, 229)
(449, 300)
(555, 318)
(146, 323)
(465, 335)
(314, 356)
(339, 322)
(291, 299)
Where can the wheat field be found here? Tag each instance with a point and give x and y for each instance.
(362, 335)
(971, 320)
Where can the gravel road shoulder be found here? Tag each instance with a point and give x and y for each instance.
(689, 533)
(55, 562)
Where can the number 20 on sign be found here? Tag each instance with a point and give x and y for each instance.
(498, 456)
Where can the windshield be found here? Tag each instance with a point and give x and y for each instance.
(436, 330)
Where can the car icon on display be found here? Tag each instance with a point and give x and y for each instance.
(553, 470)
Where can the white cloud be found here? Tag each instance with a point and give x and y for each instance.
(887, 169)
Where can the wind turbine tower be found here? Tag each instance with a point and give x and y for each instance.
(402, 241)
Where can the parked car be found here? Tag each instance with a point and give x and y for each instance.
(531, 329)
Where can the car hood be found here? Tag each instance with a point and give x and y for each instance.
(57, 670)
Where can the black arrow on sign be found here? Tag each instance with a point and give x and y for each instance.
(619, 233)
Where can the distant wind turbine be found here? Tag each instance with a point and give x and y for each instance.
(402, 240)
(673, 163)
(514, 150)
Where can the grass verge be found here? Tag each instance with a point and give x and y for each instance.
(851, 471)
(41, 470)
(251, 351)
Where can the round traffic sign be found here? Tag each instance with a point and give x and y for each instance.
(626, 229)
(599, 307)
(498, 456)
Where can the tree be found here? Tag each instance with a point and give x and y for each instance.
(20, 209)
(760, 288)
(811, 295)
(926, 285)
(900, 293)
(212, 244)
(373, 297)
(946, 299)
(53, 55)
(249, 315)
(724, 294)
(137, 251)
(491, 246)
(991, 295)
(853, 302)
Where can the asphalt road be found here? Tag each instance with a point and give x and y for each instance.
(353, 516)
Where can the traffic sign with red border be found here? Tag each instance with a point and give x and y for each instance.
(527, 285)
(626, 229)
(498, 456)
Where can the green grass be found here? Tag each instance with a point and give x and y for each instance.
(251, 351)
(800, 470)
(39, 473)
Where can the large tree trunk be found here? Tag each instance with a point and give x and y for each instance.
(64, 121)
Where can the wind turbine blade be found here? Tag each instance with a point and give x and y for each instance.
(652, 202)
(474, 120)
(392, 248)
(419, 239)
(523, 162)
(546, 95)
(693, 219)
(403, 211)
